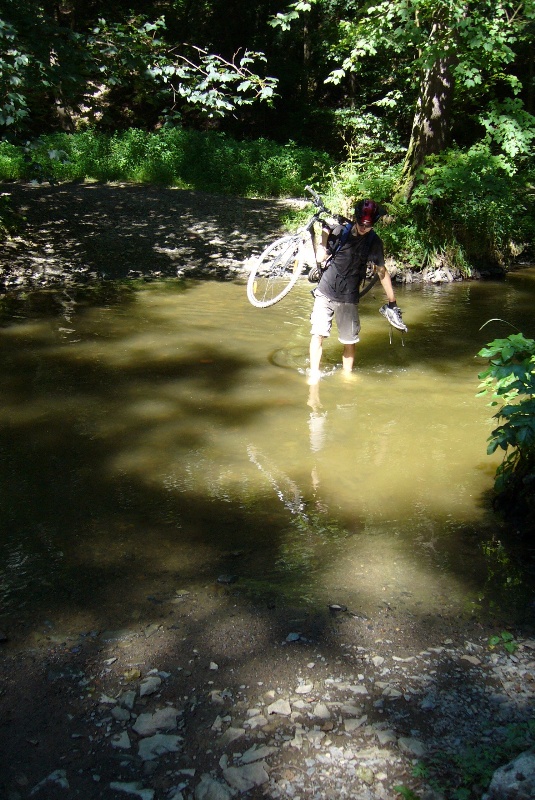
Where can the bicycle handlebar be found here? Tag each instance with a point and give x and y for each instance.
(318, 202)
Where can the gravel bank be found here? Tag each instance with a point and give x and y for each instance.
(85, 231)
(209, 698)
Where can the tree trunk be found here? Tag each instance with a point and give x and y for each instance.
(431, 123)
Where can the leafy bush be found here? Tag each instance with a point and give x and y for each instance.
(469, 203)
(211, 162)
(510, 379)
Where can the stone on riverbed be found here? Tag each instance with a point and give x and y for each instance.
(158, 745)
(165, 719)
(514, 781)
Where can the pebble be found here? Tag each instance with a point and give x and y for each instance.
(150, 723)
(246, 777)
(158, 745)
(134, 788)
(150, 685)
(121, 741)
(282, 707)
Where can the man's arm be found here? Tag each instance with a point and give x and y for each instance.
(386, 283)
(321, 249)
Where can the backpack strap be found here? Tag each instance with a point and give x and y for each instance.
(342, 239)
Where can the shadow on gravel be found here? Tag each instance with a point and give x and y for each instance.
(93, 230)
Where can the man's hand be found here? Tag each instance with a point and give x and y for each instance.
(321, 254)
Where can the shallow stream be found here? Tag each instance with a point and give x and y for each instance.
(157, 437)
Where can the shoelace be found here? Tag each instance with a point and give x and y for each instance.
(390, 329)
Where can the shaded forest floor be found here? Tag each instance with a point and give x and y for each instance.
(85, 231)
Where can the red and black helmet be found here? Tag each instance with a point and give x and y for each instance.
(367, 212)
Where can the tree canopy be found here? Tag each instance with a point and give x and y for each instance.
(396, 83)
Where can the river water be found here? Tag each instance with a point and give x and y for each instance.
(157, 437)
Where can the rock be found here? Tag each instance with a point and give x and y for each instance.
(258, 721)
(514, 781)
(389, 691)
(230, 735)
(210, 789)
(351, 725)
(282, 707)
(132, 674)
(246, 777)
(293, 637)
(411, 746)
(59, 777)
(107, 700)
(321, 711)
(150, 685)
(134, 788)
(304, 688)
(256, 753)
(365, 774)
(120, 714)
(127, 699)
(159, 745)
(386, 737)
(121, 741)
(358, 689)
(165, 719)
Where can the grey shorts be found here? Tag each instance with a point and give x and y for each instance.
(346, 316)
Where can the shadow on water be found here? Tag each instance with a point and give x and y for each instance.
(138, 452)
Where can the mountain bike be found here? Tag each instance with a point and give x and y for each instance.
(277, 270)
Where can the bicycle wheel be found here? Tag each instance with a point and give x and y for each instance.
(275, 272)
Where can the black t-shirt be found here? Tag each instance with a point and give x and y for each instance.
(341, 279)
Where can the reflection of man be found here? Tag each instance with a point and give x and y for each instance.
(316, 420)
(316, 425)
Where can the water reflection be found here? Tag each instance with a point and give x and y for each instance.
(166, 433)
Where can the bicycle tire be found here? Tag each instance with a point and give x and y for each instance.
(275, 272)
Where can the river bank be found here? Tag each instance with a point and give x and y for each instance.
(78, 233)
(207, 697)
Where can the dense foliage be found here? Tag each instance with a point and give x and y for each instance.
(209, 161)
(510, 379)
(426, 104)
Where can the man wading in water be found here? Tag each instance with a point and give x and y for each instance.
(348, 252)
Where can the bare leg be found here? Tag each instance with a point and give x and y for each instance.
(316, 350)
(348, 357)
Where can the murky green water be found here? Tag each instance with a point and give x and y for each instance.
(158, 437)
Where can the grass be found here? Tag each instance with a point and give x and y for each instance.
(204, 161)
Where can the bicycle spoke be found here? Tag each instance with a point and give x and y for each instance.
(276, 272)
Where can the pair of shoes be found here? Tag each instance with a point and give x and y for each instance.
(393, 316)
